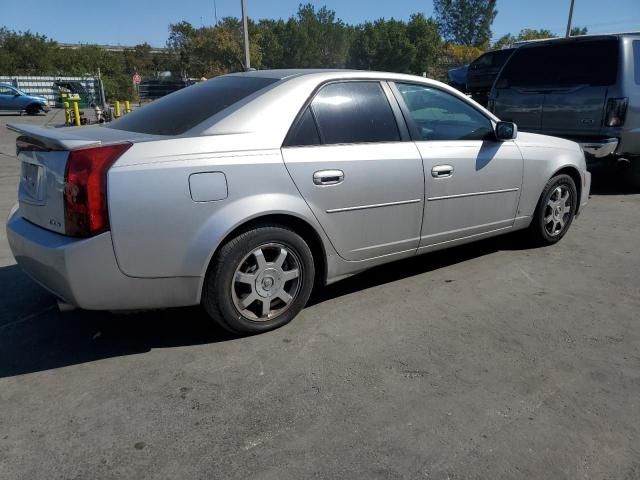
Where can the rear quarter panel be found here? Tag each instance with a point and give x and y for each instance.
(160, 231)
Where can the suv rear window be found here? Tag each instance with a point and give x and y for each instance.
(563, 64)
(182, 110)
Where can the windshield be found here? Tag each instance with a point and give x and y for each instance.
(182, 110)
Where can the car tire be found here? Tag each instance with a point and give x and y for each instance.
(32, 109)
(266, 269)
(555, 211)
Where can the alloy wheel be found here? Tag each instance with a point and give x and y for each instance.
(266, 282)
(558, 210)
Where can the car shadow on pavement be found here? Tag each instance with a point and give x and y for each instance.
(612, 180)
(35, 336)
(417, 265)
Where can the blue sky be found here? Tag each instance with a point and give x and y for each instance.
(128, 22)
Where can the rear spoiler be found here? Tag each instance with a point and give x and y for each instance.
(53, 138)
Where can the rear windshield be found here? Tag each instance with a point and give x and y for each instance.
(564, 64)
(182, 110)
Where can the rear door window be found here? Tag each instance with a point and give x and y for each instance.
(304, 132)
(181, 111)
(354, 112)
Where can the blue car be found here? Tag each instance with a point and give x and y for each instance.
(14, 99)
(457, 77)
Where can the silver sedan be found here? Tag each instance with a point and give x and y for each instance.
(243, 192)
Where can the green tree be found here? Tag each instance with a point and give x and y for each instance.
(24, 52)
(525, 35)
(315, 38)
(504, 41)
(382, 45)
(466, 22)
(270, 37)
(181, 36)
(423, 35)
(575, 31)
(210, 51)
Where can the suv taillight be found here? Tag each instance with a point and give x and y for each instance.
(85, 189)
(616, 112)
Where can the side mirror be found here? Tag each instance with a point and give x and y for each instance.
(506, 131)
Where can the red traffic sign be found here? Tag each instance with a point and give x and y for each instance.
(136, 79)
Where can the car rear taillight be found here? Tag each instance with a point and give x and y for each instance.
(85, 189)
(616, 112)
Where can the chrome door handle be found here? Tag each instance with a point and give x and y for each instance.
(328, 177)
(442, 171)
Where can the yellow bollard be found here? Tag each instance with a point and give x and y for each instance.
(117, 109)
(76, 113)
(127, 106)
(67, 113)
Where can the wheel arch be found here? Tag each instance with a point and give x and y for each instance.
(36, 106)
(299, 225)
(574, 173)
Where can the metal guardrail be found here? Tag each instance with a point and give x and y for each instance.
(44, 85)
(153, 89)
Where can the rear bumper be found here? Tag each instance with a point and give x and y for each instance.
(600, 148)
(84, 272)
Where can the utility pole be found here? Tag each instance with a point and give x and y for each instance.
(570, 18)
(245, 27)
(215, 12)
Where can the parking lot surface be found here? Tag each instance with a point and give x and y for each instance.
(491, 360)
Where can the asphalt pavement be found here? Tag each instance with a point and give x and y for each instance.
(491, 360)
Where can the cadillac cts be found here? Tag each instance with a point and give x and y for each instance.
(244, 191)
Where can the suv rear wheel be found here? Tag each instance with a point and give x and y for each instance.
(259, 280)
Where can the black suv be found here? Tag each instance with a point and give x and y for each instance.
(483, 71)
(586, 89)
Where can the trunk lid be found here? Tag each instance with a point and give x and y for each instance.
(43, 153)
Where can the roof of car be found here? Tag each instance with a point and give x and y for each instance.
(319, 76)
(285, 73)
(323, 74)
(589, 37)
